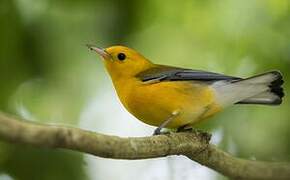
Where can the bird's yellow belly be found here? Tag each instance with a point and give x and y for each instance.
(155, 103)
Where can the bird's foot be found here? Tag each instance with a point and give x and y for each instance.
(204, 135)
(158, 131)
(185, 129)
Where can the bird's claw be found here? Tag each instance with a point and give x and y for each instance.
(158, 131)
(204, 135)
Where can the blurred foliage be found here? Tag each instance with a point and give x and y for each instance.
(45, 73)
(34, 164)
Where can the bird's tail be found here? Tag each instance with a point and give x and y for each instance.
(265, 89)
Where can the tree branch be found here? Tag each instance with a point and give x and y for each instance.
(193, 145)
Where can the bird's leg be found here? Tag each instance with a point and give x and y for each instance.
(157, 131)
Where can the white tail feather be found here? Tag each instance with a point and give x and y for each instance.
(254, 90)
(263, 98)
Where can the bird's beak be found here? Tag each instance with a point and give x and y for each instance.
(100, 51)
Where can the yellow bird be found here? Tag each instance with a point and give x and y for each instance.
(172, 97)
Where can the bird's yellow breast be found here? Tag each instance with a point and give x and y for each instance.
(154, 103)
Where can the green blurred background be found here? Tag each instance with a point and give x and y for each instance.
(48, 75)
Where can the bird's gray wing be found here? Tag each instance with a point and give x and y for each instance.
(168, 73)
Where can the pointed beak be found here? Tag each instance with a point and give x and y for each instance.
(100, 51)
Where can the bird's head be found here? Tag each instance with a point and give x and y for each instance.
(122, 61)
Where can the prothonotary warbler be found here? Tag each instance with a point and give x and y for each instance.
(173, 97)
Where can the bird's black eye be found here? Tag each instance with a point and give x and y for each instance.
(121, 56)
